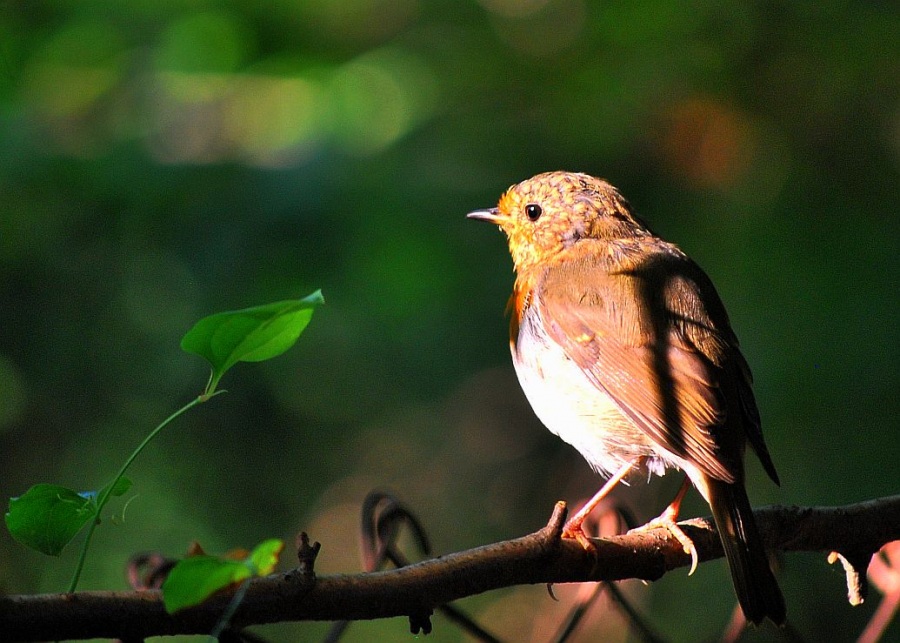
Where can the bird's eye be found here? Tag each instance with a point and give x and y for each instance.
(533, 211)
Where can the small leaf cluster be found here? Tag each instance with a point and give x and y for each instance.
(48, 517)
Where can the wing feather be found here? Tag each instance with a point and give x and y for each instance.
(649, 330)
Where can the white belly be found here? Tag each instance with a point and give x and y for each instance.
(568, 404)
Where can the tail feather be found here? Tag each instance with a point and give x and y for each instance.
(755, 584)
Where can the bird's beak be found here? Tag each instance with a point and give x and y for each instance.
(491, 215)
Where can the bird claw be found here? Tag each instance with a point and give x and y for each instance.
(667, 521)
(573, 529)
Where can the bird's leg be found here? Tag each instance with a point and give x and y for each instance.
(668, 519)
(572, 528)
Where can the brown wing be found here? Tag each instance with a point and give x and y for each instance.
(669, 367)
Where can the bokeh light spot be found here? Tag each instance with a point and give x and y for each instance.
(513, 8)
(540, 29)
(708, 143)
(359, 21)
(272, 119)
(213, 41)
(74, 68)
(378, 97)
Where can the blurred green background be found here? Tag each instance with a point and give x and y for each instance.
(161, 161)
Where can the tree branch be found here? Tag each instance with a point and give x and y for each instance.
(856, 531)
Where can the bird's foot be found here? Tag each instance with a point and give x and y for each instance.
(574, 529)
(667, 520)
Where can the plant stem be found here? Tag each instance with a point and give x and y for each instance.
(103, 498)
(233, 605)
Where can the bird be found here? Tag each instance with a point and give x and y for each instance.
(624, 350)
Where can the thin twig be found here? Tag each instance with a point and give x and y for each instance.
(638, 623)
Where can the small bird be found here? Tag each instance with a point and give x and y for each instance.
(624, 350)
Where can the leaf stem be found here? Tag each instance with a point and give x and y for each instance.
(230, 611)
(104, 496)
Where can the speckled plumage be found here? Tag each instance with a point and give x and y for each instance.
(625, 351)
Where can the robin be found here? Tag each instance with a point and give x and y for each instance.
(624, 350)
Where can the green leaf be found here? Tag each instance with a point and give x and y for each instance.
(119, 488)
(47, 517)
(249, 335)
(195, 579)
(264, 556)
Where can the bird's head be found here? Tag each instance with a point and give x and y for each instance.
(551, 212)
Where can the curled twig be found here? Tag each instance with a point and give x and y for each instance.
(884, 573)
(148, 570)
(383, 516)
